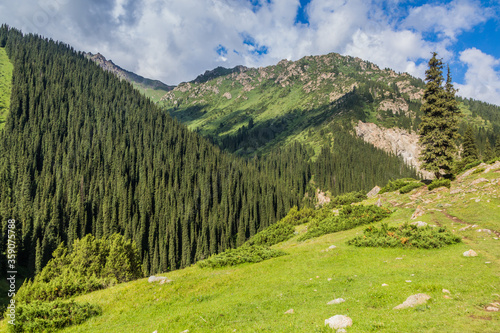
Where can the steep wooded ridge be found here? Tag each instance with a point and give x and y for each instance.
(152, 88)
(252, 110)
(84, 152)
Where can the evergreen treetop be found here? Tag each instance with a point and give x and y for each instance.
(439, 127)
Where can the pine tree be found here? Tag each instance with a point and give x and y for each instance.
(488, 153)
(497, 147)
(438, 129)
(469, 145)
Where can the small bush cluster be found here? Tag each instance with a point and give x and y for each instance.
(240, 255)
(438, 183)
(347, 199)
(92, 264)
(50, 317)
(409, 187)
(405, 236)
(394, 185)
(464, 165)
(349, 217)
(284, 229)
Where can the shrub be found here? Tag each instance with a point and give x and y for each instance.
(346, 199)
(284, 229)
(349, 217)
(411, 186)
(92, 264)
(438, 183)
(405, 236)
(240, 255)
(50, 317)
(395, 185)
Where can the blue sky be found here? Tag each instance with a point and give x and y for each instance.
(174, 40)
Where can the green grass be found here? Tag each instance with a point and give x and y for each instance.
(6, 68)
(254, 297)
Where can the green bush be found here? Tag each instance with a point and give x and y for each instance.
(240, 255)
(91, 265)
(394, 185)
(349, 217)
(405, 236)
(438, 183)
(50, 317)
(284, 229)
(411, 186)
(347, 199)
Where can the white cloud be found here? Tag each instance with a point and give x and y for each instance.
(447, 20)
(482, 79)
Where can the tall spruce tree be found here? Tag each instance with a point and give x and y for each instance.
(439, 127)
(469, 145)
(497, 146)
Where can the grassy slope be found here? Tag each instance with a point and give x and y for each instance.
(5, 86)
(254, 297)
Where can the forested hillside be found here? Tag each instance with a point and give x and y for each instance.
(83, 152)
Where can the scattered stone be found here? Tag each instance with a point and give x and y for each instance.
(413, 300)
(378, 203)
(418, 212)
(487, 262)
(338, 322)
(419, 224)
(408, 281)
(186, 331)
(446, 291)
(289, 311)
(491, 309)
(446, 296)
(329, 279)
(384, 284)
(331, 247)
(479, 180)
(317, 276)
(470, 253)
(336, 301)
(161, 279)
(373, 192)
(399, 258)
(484, 230)
(341, 330)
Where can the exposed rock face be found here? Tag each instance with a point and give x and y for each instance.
(394, 140)
(374, 191)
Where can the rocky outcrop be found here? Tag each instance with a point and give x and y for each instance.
(393, 140)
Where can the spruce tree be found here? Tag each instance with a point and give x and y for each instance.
(497, 147)
(439, 127)
(488, 153)
(469, 151)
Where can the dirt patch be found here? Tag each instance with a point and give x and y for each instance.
(480, 317)
(453, 218)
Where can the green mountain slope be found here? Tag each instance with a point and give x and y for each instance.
(153, 89)
(253, 110)
(255, 297)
